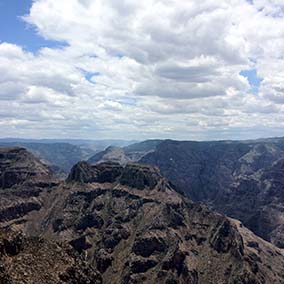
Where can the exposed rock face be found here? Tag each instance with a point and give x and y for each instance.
(128, 225)
(84, 172)
(23, 178)
(132, 175)
(140, 177)
(259, 202)
(18, 166)
(244, 180)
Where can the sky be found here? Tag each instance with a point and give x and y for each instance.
(96, 69)
(15, 30)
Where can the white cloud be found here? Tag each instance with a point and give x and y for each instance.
(150, 68)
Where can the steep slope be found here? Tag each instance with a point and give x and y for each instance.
(230, 176)
(62, 154)
(259, 202)
(23, 177)
(25, 259)
(37, 260)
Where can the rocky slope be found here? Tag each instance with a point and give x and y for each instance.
(242, 179)
(126, 224)
(37, 260)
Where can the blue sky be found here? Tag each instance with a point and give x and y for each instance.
(15, 30)
(253, 79)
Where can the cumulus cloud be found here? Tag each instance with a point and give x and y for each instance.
(150, 68)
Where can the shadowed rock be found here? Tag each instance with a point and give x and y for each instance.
(85, 173)
(140, 177)
(17, 166)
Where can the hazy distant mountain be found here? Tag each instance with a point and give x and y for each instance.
(62, 154)
(59, 156)
(100, 143)
(123, 155)
(118, 224)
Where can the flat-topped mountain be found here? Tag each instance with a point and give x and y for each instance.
(127, 224)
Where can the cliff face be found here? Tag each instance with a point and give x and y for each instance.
(243, 180)
(18, 166)
(259, 202)
(127, 224)
(23, 178)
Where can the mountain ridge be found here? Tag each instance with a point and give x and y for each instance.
(130, 226)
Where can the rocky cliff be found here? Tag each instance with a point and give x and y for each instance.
(127, 224)
(18, 166)
(242, 179)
